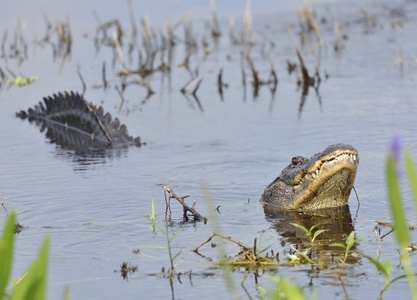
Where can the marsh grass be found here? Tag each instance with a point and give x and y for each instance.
(393, 172)
(32, 285)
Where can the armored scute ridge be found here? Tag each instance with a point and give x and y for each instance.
(323, 181)
(74, 123)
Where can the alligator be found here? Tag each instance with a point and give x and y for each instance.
(76, 124)
(323, 181)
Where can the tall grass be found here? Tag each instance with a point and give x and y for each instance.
(393, 173)
(32, 285)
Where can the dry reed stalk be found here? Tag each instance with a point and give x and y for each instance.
(247, 17)
(82, 80)
(137, 80)
(306, 78)
(232, 23)
(118, 48)
(103, 71)
(223, 237)
(3, 45)
(215, 27)
(399, 60)
(2, 204)
(191, 84)
(369, 17)
(338, 43)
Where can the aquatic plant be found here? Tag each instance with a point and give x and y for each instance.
(169, 238)
(152, 216)
(32, 285)
(22, 81)
(385, 269)
(309, 232)
(350, 241)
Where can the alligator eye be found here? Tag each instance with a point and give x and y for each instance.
(296, 161)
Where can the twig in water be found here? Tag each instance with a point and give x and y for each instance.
(307, 80)
(192, 83)
(400, 59)
(104, 75)
(246, 248)
(215, 27)
(137, 80)
(338, 44)
(122, 99)
(186, 208)
(118, 48)
(82, 80)
(220, 83)
(2, 203)
(369, 17)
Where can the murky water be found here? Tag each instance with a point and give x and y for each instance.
(94, 207)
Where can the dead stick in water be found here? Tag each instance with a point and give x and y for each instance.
(304, 71)
(137, 80)
(223, 237)
(118, 47)
(189, 85)
(180, 199)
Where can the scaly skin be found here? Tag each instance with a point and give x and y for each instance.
(323, 181)
(76, 124)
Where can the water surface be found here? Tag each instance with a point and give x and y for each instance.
(94, 207)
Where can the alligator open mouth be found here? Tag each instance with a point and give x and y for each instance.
(323, 181)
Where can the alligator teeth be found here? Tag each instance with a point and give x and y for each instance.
(354, 157)
(314, 175)
(317, 172)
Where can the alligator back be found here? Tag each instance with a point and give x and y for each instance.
(74, 123)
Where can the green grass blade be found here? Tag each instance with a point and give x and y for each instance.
(412, 175)
(262, 291)
(33, 286)
(383, 268)
(292, 291)
(350, 240)
(300, 227)
(175, 234)
(317, 232)
(155, 247)
(338, 245)
(397, 211)
(6, 252)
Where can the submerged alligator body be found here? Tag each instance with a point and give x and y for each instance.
(76, 124)
(323, 181)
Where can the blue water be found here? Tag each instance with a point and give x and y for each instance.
(94, 208)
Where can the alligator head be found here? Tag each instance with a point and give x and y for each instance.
(323, 181)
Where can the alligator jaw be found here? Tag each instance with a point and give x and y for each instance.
(328, 181)
(323, 181)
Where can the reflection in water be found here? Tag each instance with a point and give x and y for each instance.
(337, 223)
(82, 161)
